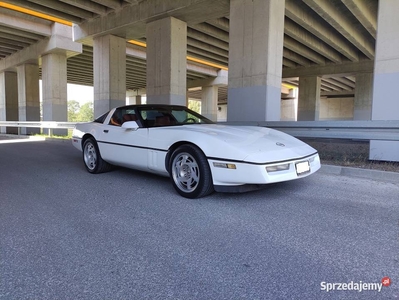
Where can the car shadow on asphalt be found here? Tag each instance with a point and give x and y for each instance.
(265, 193)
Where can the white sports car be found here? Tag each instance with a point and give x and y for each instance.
(199, 155)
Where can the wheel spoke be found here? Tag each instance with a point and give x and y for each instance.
(90, 156)
(194, 175)
(185, 172)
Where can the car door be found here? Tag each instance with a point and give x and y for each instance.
(121, 146)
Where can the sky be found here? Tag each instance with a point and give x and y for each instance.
(80, 93)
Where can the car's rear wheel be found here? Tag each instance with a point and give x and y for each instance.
(190, 172)
(92, 158)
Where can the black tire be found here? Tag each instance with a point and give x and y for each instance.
(190, 172)
(92, 158)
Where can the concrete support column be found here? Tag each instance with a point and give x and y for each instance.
(309, 98)
(132, 100)
(8, 100)
(109, 66)
(385, 105)
(255, 60)
(54, 84)
(209, 102)
(166, 61)
(363, 96)
(28, 95)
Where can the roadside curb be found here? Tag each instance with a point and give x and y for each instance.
(361, 173)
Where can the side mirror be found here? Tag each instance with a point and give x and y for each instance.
(130, 125)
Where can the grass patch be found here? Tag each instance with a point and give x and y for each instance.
(349, 153)
(63, 137)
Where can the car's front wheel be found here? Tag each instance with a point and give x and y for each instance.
(190, 172)
(92, 158)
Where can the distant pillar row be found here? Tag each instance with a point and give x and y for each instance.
(363, 96)
(28, 95)
(8, 100)
(166, 61)
(255, 60)
(131, 100)
(309, 98)
(133, 97)
(19, 97)
(209, 102)
(386, 77)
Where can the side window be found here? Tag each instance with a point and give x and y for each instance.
(116, 119)
(122, 115)
(183, 116)
(157, 117)
(129, 115)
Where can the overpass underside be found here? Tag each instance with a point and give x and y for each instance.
(268, 60)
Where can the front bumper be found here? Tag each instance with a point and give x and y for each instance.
(247, 174)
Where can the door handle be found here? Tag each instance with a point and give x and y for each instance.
(106, 130)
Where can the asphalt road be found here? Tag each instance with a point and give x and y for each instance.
(68, 234)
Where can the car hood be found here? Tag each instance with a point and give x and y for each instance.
(260, 144)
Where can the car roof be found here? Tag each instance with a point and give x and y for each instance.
(153, 105)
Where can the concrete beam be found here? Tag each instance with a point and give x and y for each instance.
(207, 47)
(339, 84)
(195, 34)
(59, 42)
(212, 31)
(109, 3)
(346, 82)
(24, 24)
(221, 23)
(337, 93)
(130, 22)
(365, 12)
(299, 48)
(15, 38)
(304, 37)
(295, 12)
(295, 57)
(329, 12)
(333, 69)
(328, 84)
(87, 5)
(203, 54)
(288, 63)
(220, 80)
(46, 10)
(66, 8)
(132, 50)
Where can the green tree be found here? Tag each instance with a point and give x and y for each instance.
(86, 112)
(194, 105)
(73, 110)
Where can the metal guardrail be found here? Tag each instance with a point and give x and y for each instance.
(50, 125)
(356, 130)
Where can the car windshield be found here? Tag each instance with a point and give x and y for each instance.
(154, 116)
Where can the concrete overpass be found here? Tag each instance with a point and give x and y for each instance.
(340, 53)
